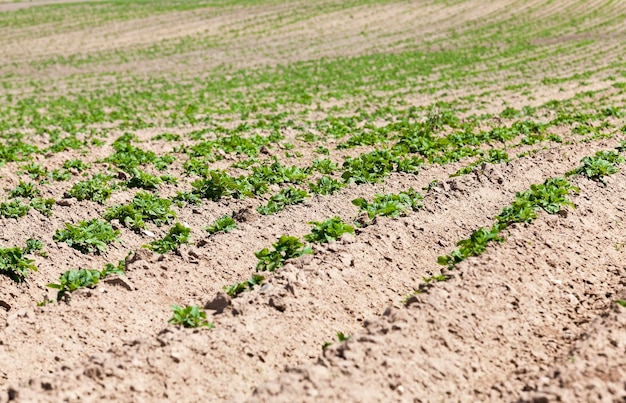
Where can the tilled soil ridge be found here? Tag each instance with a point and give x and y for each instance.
(287, 321)
(535, 294)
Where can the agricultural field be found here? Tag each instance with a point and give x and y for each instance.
(329, 200)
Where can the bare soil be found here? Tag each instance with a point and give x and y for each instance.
(533, 319)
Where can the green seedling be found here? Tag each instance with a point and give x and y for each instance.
(76, 164)
(282, 199)
(218, 184)
(176, 236)
(223, 224)
(341, 337)
(162, 163)
(473, 246)
(25, 190)
(35, 171)
(190, 317)
(326, 186)
(324, 166)
(61, 175)
(166, 137)
(183, 198)
(15, 264)
(328, 231)
(438, 277)
(276, 174)
(602, 164)
(44, 206)
(73, 280)
(287, 247)
(144, 207)
(13, 209)
(87, 236)
(126, 156)
(238, 288)
(143, 180)
(390, 205)
(96, 189)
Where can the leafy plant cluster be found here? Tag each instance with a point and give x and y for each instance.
(374, 166)
(238, 288)
(596, 167)
(96, 189)
(328, 231)
(15, 264)
(326, 186)
(87, 236)
(73, 280)
(223, 224)
(287, 247)
(26, 190)
(390, 205)
(191, 316)
(176, 236)
(494, 156)
(127, 156)
(144, 180)
(145, 207)
(13, 209)
(282, 199)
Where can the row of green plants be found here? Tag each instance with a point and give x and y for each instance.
(330, 230)
(550, 196)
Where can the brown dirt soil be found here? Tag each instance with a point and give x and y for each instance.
(533, 319)
(503, 321)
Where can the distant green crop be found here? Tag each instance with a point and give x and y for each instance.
(183, 198)
(127, 156)
(145, 180)
(76, 164)
(287, 247)
(324, 166)
(87, 236)
(276, 173)
(166, 137)
(60, 175)
(369, 168)
(328, 231)
(35, 171)
(218, 184)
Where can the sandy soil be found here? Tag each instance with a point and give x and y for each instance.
(532, 319)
